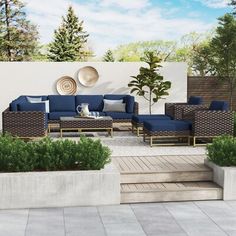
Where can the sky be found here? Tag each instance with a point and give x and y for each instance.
(114, 22)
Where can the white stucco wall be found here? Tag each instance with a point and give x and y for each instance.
(39, 78)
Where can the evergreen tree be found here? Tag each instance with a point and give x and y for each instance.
(69, 40)
(18, 37)
(108, 57)
(233, 3)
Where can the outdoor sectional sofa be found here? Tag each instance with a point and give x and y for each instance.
(25, 119)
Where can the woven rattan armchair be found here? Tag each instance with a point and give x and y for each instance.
(210, 124)
(24, 124)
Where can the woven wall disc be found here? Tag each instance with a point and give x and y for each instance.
(66, 86)
(88, 76)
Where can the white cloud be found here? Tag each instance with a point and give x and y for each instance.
(215, 3)
(110, 26)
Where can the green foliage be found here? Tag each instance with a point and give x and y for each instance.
(149, 83)
(48, 155)
(135, 51)
(108, 57)
(233, 4)
(70, 40)
(223, 52)
(222, 151)
(18, 37)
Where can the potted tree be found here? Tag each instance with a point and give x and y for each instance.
(149, 83)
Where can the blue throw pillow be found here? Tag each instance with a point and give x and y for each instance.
(27, 106)
(195, 100)
(219, 106)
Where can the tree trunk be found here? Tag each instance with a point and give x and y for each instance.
(8, 29)
(150, 102)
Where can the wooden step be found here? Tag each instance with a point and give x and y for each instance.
(157, 169)
(164, 192)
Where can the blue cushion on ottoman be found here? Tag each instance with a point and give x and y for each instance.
(142, 118)
(95, 101)
(166, 125)
(27, 106)
(61, 103)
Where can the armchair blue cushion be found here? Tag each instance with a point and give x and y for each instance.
(95, 101)
(129, 100)
(195, 100)
(219, 106)
(59, 103)
(27, 106)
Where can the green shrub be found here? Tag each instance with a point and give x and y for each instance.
(48, 155)
(222, 151)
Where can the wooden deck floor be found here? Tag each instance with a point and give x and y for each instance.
(160, 164)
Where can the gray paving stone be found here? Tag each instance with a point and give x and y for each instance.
(13, 222)
(45, 222)
(117, 214)
(221, 213)
(83, 221)
(193, 220)
(124, 229)
(156, 220)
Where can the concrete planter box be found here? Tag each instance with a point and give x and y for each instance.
(226, 178)
(60, 188)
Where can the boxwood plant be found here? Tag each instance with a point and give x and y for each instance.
(17, 155)
(222, 151)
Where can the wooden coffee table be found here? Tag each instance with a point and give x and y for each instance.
(80, 124)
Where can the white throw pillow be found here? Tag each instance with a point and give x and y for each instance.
(33, 99)
(112, 101)
(114, 107)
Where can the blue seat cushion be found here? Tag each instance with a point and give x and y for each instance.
(142, 118)
(219, 106)
(27, 106)
(57, 115)
(195, 100)
(167, 125)
(95, 101)
(119, 115)
(59, 103)
(129, 100)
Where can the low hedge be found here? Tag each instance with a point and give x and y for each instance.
(17, 155)
(222, 151)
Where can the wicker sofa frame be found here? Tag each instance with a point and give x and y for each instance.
(24, 124)
(31, 124)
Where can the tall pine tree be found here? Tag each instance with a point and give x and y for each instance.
(18, 37)
(108, 56)
(69, 40)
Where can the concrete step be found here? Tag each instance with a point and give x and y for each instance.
(164, 192)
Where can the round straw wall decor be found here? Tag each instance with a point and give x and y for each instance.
(88, 76)
(66, 86)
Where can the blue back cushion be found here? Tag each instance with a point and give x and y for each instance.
(27, 106)
(194, 100)
(95, 101)
(61, 103)
(129, 100)
(14, 104)
(219, 106)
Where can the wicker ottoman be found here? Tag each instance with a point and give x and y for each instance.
(167, 129)
(137, 121)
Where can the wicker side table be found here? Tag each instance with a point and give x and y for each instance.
(80, 124)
